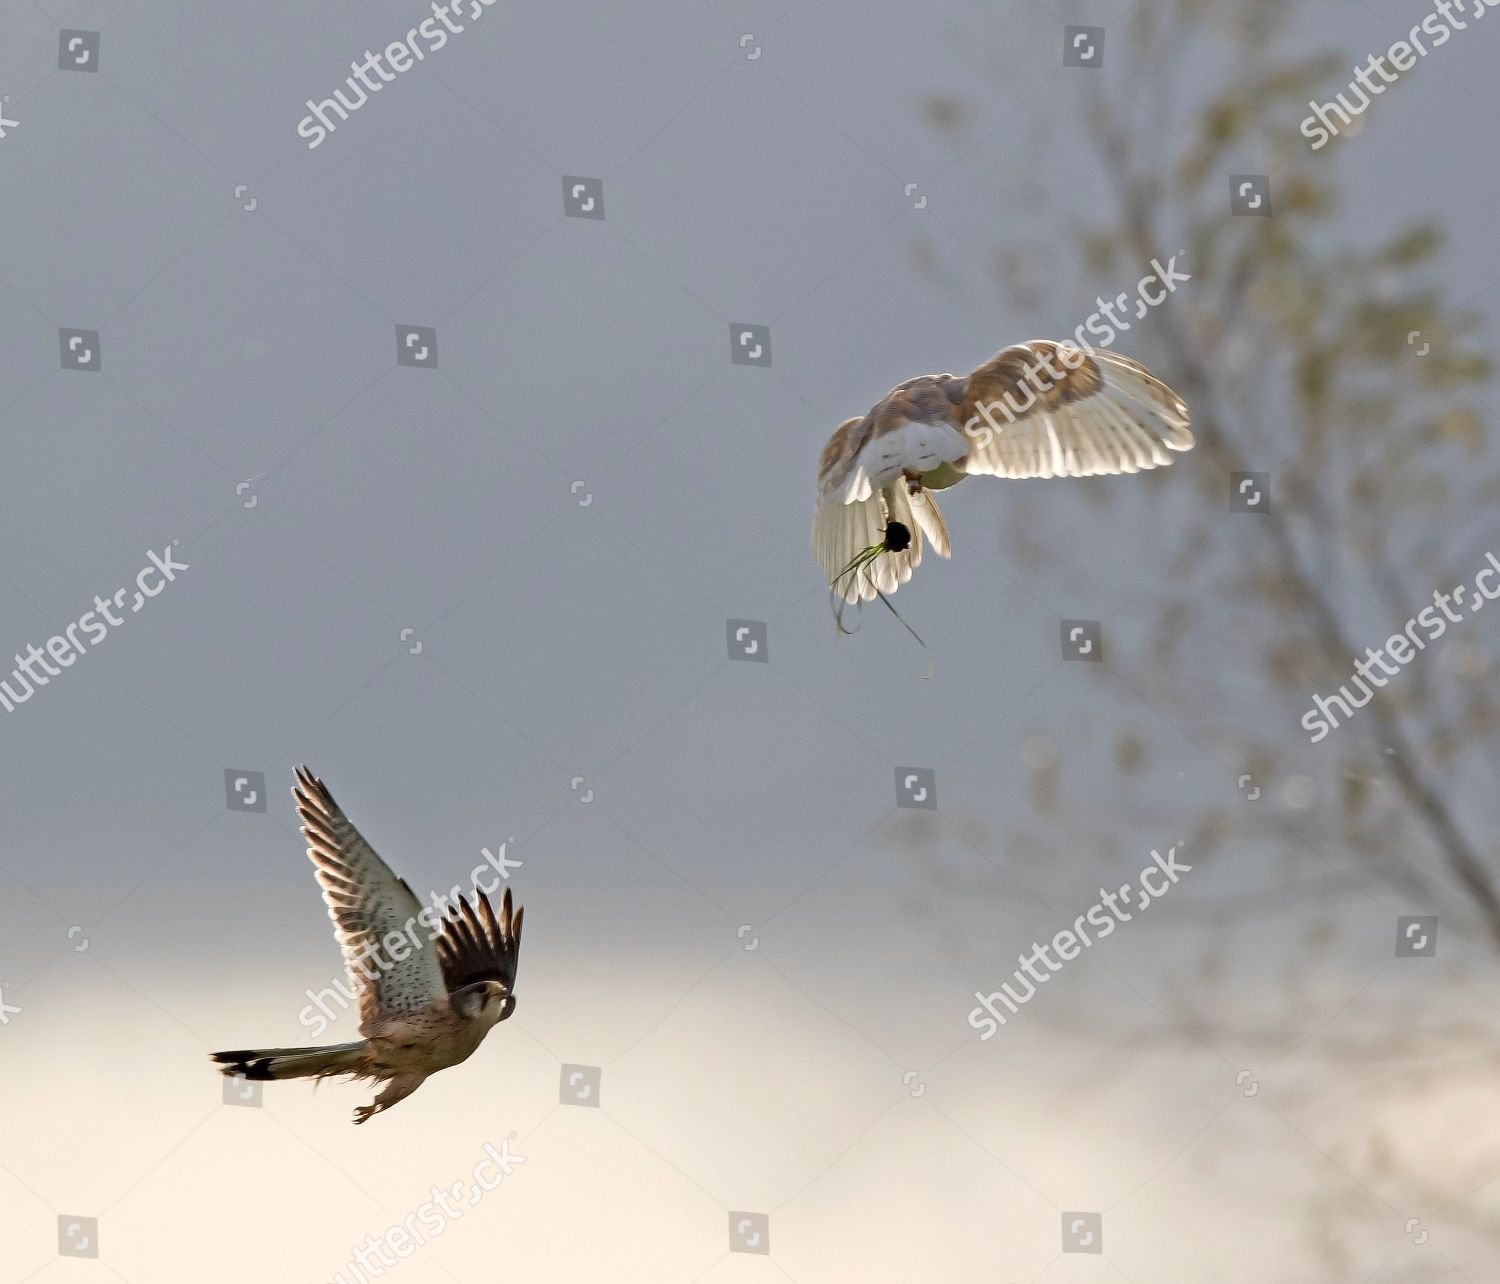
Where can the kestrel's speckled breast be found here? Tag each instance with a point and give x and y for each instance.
(425, 1042)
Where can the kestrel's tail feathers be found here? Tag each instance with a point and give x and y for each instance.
(296, 1063)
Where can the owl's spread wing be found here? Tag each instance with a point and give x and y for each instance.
(368, 904)
(475, 945)
(1055, 411)
(1038, 409)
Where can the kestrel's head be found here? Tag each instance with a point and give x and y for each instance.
(477, 950)
(486, 1001)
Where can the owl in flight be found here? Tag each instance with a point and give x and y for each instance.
(1037, 409)
(429, 986)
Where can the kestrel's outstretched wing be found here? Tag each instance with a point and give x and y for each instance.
(1037, 409)
(474, 945)
(367, 903)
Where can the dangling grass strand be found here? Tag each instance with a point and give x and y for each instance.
(896, 538)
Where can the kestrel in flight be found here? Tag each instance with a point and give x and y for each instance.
(1037, 409)
(425, 1003)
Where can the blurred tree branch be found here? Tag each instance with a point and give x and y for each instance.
(1292, 349)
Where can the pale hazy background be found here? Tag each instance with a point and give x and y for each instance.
(489, 601)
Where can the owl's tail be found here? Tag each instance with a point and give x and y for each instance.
(295, 1063)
